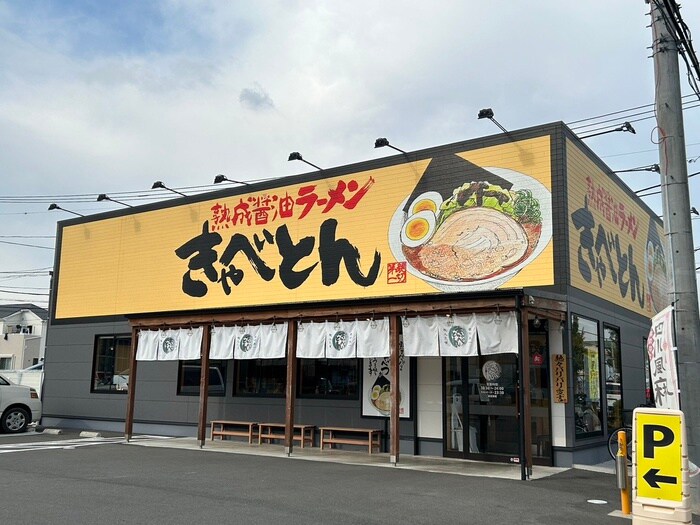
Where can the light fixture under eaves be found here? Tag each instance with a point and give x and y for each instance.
(487, 113)
(158, 184)
(295, 155)
(626, 126)
(382, 142)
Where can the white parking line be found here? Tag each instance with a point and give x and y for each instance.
(67, 444)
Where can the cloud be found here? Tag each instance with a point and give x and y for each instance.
(256, 98)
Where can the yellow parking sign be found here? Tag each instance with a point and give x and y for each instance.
(658, 437)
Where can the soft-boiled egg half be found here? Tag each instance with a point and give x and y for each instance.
(418, 228)
(429, 200)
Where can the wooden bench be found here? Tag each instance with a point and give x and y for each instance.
(302, 433)
(366, 437)
(223, 428)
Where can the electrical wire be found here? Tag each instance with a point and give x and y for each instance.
(673, 21)
(35, 302)
(633, 120)
(23, 293)
(642, 151)
(127, 196)
(26, 287)
(33, 270)
(27, 236)
(659, 185)
(684, 42)
(686, 105)
(28, 245)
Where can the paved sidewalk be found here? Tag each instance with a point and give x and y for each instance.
(355, 457)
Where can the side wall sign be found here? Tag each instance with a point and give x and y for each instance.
(617, 249)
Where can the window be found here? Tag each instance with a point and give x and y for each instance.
(261, 377)
(6, 363)
(329, 378)
(586, 365)
(111, 364)
(190, 373)
(613, 376)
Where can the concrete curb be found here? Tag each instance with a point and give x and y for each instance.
(86, 434)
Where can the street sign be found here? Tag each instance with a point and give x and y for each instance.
(660, 488)
(658, 437)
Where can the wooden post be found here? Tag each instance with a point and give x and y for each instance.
(204, 387)
(131, 393)
(395, 398)
(525, 412)
(291, 390)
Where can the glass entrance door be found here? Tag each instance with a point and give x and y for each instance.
(540, 396)
(480, 407)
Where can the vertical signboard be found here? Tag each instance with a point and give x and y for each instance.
(561, 382)
(660, 467)
(377, 385)
(662, 361)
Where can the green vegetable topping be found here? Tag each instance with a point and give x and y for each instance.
(520, 204)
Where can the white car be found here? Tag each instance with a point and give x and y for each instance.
(19, 406)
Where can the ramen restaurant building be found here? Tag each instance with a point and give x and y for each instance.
(488, 299)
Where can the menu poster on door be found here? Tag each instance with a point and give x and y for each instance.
(377, 385)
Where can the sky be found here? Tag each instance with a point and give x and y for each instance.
(108, 97)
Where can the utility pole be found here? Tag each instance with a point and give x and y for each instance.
(678, 226)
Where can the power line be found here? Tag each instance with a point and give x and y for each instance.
(27, 236)
(681, 34)
(25, 287)
(45, 268)
(22, 293)
(36, 302)
(123, 195)
(28, 245)
(651, 105)
(659, 185)
(33, 270)
(650, 113)
(655, 150)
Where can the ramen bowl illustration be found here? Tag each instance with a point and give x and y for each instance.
(477, 238)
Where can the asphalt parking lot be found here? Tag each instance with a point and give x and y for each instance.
(78, 480)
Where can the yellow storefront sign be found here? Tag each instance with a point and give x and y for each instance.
(462, 221)
(617, 249)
